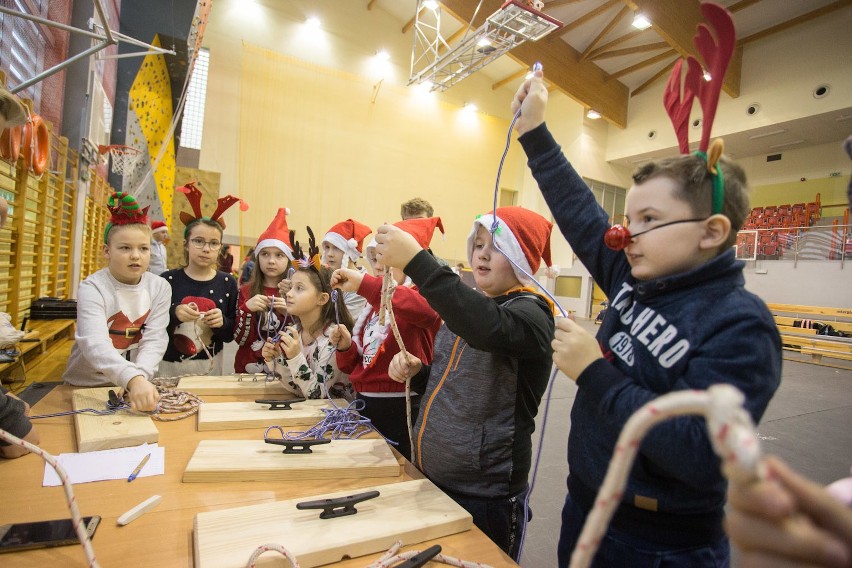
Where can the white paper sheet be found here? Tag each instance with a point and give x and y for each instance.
(107, 464)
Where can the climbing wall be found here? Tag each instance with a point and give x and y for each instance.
(148, 118)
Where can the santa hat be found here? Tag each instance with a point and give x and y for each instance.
(159, 227)
(124, 210)
(522, 235)
(371, 245)
(277, 235)
(348, 236)
(421, 229)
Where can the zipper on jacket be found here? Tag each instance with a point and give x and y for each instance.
(431, 398)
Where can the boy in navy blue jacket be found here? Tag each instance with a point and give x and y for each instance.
(679, 318)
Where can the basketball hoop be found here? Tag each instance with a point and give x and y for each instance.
(124, 158)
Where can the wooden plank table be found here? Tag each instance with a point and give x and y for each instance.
(163, 536)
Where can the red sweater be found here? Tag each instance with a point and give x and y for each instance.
(417, 321)
(245, 332)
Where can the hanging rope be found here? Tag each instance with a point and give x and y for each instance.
(732, 435)
(386, 309)
(70, 499)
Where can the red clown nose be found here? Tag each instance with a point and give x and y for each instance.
(617, 237)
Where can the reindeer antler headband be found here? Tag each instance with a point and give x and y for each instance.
(716, 52)
(124, 210)
(310, 260)
(193, 195)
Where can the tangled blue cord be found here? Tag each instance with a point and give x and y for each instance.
(493, 230)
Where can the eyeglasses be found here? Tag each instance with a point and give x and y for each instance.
(200, 243)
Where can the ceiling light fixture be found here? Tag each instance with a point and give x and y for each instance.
(640, 22)
(382, 55)
(766, 134)
(593, 114)
(512, 24)
(313, 23)
(431, 4)
(470, 107)
(785, 144)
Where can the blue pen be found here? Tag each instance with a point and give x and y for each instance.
(138, 468)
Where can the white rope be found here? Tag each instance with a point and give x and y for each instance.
(732, 435)
(79, 525)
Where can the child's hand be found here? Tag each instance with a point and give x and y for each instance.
(214, 318)
(186, 312)
(258, 303)
(142, 395)
(284, 287)
(340, 337)
(531, 98)
(269, 351)
(402, 368)
(788, 521)
(395, 247)
(346, 279)
(280, 304)
(574, 348)
(289, 342)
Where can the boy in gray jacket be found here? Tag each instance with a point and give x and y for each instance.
(492, 360)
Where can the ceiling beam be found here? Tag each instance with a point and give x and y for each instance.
(741, 5)
(643, 64)
(510, 79)
(557, 3)
(676, 22)
(631, 50)
(590, 15)
(583, 81)
(827, 9)
(621, 39)
(608, 28)
(664, 72)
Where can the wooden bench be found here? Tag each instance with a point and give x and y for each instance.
(806, 341)
(41, 337)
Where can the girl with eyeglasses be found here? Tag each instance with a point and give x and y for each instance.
(203, 307)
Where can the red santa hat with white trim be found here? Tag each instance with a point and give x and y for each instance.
(159, 227)
(277, 235)
(349, 237)
(522, 235)
(421, 228)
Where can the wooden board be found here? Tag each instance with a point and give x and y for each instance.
(237, 415)
(119, 430)
(231, 385)
(254, 460)
(410, 511)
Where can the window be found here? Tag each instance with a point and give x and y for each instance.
(22, 45)
(193, 112)
(610, 197)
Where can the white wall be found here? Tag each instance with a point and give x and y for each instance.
(808, 283)
(779, 72)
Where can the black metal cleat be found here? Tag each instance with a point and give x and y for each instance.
(297, 446)
(340, 507)
(280, 404)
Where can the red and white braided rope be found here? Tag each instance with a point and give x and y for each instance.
(79, 525)
(274, 548)
(732, 435)
(391, 557)
(386, 307)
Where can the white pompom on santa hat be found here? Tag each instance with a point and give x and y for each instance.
(349, 237)
(522, 235)
(277, 235)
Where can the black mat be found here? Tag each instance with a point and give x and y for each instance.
(36, 391)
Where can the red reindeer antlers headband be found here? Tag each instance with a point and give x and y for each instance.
(193, 195)
(716, 52)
